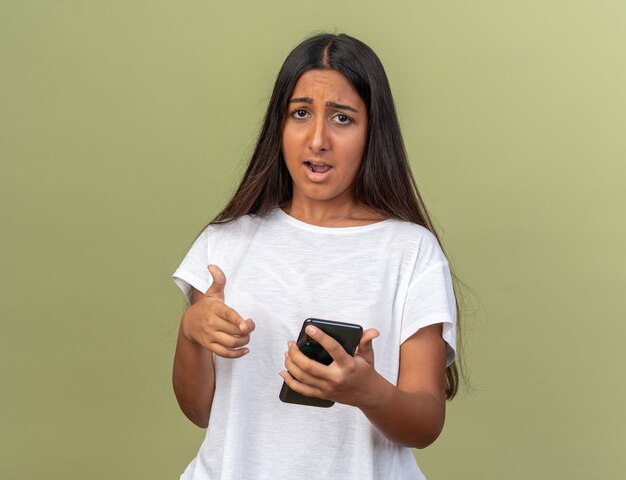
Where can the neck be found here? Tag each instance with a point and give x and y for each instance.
(323, 213)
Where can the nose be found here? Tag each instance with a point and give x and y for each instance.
(318, 135)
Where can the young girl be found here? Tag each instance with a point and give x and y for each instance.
(326, 223)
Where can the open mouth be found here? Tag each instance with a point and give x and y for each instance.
(318, 167)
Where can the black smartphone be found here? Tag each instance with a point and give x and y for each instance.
(347, 334)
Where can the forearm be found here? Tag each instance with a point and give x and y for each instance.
(412, 419)
(193, 378)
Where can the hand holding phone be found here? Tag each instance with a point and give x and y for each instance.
(347, 335)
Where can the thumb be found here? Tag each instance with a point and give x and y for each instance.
(365, 345)
(219, 282)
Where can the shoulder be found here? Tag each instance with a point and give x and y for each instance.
(418, 242)
(234, 226)
(413, 233)
(241, 229)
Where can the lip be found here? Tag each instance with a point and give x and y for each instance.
(317, 177)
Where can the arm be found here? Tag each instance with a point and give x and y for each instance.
(411, 413)
(208, 327)
(193, 376)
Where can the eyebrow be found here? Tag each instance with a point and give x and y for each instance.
(309, 100)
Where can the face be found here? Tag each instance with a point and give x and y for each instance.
(323, 138)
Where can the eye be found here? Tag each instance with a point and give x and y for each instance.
(343, 119)
(299, 113)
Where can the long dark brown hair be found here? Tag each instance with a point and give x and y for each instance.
(384, 181)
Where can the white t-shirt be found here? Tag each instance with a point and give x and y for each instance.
(390, 275)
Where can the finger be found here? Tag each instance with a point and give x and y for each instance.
(230, 315)
(303, 369)
(298, 387)
(249, 327)
(312, 367)
(222, 351)
(230, 341)
(221, 325)
(331, 345)
(365, 348)
(219, 283)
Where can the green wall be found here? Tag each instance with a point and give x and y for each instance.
(124, 126)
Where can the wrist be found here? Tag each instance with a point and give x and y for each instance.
(185, 328)
(380, 396)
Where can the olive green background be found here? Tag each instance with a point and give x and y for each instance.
(124, 126)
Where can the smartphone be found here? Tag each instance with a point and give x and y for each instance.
(347, 334)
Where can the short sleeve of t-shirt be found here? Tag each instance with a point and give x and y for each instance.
(192, 271)
(430, 297)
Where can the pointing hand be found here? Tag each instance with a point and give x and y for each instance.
(215, 326)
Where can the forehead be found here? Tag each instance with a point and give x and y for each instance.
(326, 85)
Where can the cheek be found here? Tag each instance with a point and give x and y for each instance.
(286, 151)
(356, 157)
(355, 152)
(288, 146)
(290, 157)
